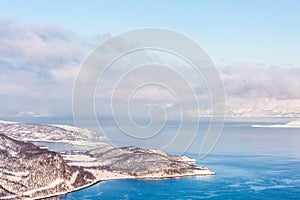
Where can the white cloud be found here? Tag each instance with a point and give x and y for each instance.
(37, 48)
(65, 73)
(39, 64)
(11, 89)
(248, 81)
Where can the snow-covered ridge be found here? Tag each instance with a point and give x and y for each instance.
(83, 131)
(134, 162)
(51, 133)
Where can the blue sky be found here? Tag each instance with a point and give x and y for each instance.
(255, 44)
(265, 32)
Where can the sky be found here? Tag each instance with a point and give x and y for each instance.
(255, 44)
(232, 31)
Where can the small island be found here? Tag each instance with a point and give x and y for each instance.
(28, 171)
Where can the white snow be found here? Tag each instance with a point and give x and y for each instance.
(102, 175)
(187, 159)
(49, 186)
(7, 122)
(72, 180)
(82, 131)
(292, 124)
(81, 160)
(59, 133)
(15, 176)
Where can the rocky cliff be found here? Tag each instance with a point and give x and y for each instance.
(27, 171)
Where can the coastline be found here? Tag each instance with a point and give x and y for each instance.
(106, 163)
(116, 176)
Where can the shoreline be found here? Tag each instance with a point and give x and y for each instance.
(98, 161)
(126, 177)
(109, 176)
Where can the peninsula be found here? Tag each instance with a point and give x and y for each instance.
(31, 172)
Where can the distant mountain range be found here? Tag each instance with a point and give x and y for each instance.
(263, 107)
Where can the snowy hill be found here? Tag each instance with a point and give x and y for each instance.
(50, 133)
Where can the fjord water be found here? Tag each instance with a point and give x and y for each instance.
(238, 177)
(250, 163)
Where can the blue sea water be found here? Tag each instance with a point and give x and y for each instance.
(250, 163)
(238, 177)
